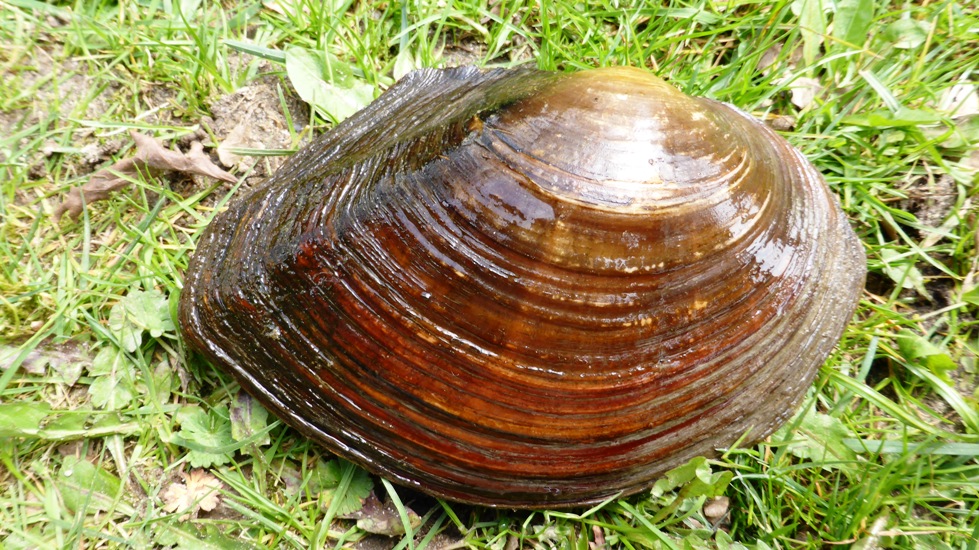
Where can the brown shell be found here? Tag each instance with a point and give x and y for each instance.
(529, 289)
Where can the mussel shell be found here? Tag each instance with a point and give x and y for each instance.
(529, 289)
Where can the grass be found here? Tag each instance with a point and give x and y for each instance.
(103, 410)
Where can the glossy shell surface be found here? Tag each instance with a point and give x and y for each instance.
(529, 289)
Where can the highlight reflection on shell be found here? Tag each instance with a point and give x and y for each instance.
(529, 289)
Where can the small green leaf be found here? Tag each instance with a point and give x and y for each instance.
(325, 475)
(819, 437)
(352, 487)
(901, 269)
(114, 386)
(206, 434)
(163, 381)
(22, 419)
(140, 312)
(38, 420)
(971, 296)
(695, 478)
(907, 33)
(812, 26)
(696, 467)
(84, 486)
(327, 83)
(84, 424)
(192, 536)
(693, 482)
(215, 538)
(852, 20)
(919, 350)
(248, 417)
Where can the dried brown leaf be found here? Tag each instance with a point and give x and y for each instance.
(960, 100)
(382, 518)
(804, 91)
(599, 541)
(199, 491)
(239, 138)
(152, 158)
(971, 164)
(716, 509)
(781, 123)
(766, 63)
(65, 359)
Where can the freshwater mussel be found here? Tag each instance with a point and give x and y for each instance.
(529, 289)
